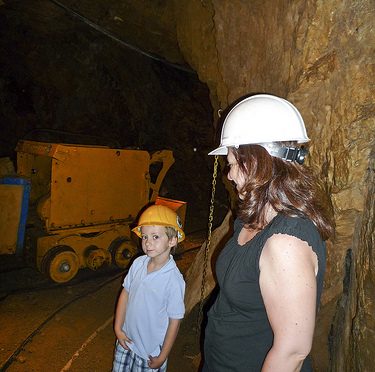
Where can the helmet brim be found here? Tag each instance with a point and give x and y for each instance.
(222, 150)
(180, 232)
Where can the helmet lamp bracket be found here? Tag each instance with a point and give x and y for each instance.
(296, 154)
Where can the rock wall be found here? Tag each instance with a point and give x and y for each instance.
(319, 55)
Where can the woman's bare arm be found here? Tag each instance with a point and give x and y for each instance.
(288, 269)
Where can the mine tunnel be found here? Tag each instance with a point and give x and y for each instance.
(91, 91)
(99, 98)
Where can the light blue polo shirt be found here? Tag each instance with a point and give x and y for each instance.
(153, 299)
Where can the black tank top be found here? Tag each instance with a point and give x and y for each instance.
(238, 334)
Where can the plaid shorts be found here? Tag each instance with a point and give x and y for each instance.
(127, 361)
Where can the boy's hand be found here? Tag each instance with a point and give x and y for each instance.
(122, 339)
(155, 362)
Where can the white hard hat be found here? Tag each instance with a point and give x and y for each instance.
(261, 119)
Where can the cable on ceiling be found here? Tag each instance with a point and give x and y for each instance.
(113, 37)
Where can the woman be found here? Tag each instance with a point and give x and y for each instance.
(270, 273)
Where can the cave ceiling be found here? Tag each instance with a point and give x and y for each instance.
(105, 73)
(146, 25)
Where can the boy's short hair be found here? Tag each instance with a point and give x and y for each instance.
(171, 232)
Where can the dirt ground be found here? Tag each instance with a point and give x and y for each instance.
(185, 355)
(47, 328)
(69, 328)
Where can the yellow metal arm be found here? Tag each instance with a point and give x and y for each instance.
(166, 158)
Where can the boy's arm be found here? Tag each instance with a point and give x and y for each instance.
(170, 337)
(120, 318)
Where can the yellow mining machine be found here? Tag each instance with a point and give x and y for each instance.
(73, 205)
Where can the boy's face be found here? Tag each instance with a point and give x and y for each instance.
(155, 242)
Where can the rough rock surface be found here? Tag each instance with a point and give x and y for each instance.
(320, 56)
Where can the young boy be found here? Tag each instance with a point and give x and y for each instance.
(151, 304)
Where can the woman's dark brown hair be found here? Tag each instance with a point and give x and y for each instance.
(288, 187)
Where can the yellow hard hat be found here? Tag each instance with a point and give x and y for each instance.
(160, 215)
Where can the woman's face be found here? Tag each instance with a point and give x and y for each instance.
(235, 174)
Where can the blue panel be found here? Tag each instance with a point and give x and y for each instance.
(25, 183)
